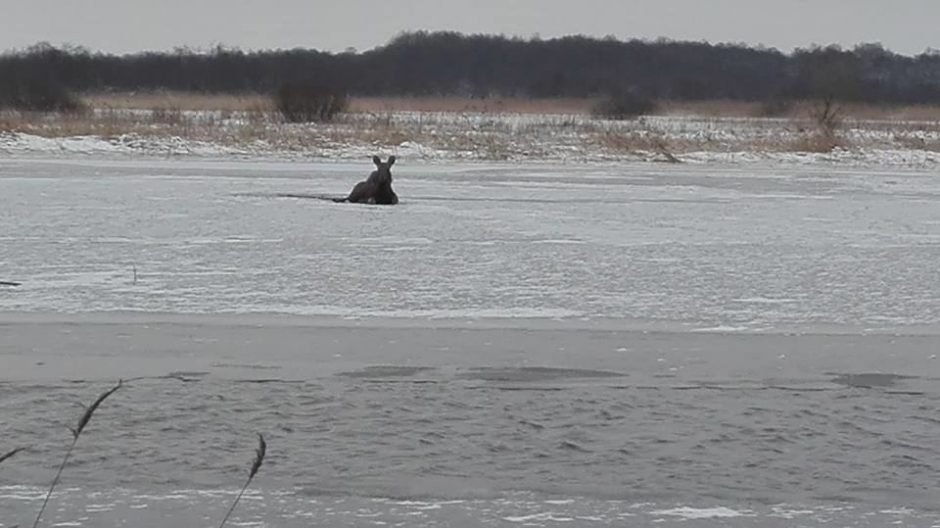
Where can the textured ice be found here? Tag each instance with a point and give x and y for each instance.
(687, 512)
(466, 425)
(719, 248)
(497, 385)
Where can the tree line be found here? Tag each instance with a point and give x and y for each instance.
(448, 63)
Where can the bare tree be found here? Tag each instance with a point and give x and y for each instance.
(830, 77)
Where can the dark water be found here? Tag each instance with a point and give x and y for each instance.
(381, 423)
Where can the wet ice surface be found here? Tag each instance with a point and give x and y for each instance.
(289, 509)
(468, 426)
(698, 247)
(518, 346)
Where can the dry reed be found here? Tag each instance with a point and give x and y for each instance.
(488, 128)
(819, 142)
(11, 454)
(255, 466)
(178, 100)
(76, 432)
(252, 103)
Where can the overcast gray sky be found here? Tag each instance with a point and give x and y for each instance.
(905, 26)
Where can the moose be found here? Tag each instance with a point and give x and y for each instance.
(377, 188)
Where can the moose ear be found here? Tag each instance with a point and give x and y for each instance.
(376, 160)
(391, 160)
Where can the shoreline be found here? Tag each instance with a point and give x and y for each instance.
(448, 323)
(24, 148)
(478, 137)
(228, 349)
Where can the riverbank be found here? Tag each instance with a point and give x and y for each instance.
(442, 130)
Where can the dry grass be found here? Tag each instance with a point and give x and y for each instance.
(719, 108)
(812, 142)
(892, 112)
(496, 105)
(485, 128)
(255, 466)
(800, 110)
(159, 122)
(181, 101)
(10, 454)
(643, 141)
(184, 101)
(83, 422)
(76, 433)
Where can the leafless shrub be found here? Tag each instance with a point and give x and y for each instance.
(827, 114)
(305, 103)
(38, 95)
(626, 105)
(775, 107)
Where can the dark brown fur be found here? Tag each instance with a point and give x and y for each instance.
(377, 189)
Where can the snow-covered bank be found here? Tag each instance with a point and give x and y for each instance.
(491, 137)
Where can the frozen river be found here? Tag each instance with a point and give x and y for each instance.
(658, 246)
(512, 345)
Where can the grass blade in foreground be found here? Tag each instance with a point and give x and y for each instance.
(76, 432)
(255, 466)
(11, 453)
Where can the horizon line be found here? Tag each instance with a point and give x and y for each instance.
(219, 46)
